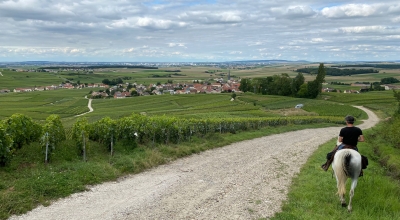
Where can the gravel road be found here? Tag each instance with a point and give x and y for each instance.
(244, 180)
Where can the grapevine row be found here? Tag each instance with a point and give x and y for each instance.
(20, 130)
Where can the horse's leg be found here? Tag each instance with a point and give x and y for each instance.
(353, 186)
(341, 196)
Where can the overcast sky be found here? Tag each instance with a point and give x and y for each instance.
(204, 30)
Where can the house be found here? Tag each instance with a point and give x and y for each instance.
(52, 87)
(121, 95)
(193, 91)
(22, 90)
(390, 87)
(68, 86)
(4, 91)
(118, 95)
(351, 91)
(40, 88)
(328, 89)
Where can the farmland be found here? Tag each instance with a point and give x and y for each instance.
(218, 120)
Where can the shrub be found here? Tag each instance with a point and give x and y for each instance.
(54, 132)
(5, 146)
(23, 130)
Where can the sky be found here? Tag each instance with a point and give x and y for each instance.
(199, 31)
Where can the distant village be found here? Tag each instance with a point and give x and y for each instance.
(124, 90)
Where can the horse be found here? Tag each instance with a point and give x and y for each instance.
(346, 164)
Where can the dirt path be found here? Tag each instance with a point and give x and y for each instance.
(89, 106)
(244, 180)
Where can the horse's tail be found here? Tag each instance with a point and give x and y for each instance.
(341, 166)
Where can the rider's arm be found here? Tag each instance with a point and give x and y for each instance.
(361, 138)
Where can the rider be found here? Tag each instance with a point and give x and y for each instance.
(349, 136)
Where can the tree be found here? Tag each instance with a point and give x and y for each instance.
(315, 87)
(297, 82)
(245, 85)
(303, 91)
(397, 96)
(320, 76)
(312, 89)
(106, 81)
(389, 80)
(134, 93)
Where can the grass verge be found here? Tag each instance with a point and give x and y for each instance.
(313, 192)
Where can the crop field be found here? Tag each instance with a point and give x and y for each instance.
(68, 103)
(39, 105)
(382, 102)
(11, 79)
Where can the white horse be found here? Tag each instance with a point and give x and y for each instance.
(346, 164)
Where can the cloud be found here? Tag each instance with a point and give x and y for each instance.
(351, 10)
(176, 45)
(217, 30)
(362, 29)
(299, 12)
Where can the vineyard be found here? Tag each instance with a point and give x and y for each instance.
(19, 130)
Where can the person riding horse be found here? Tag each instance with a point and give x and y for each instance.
(349, 136)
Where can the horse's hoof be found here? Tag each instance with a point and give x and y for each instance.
(344, 204)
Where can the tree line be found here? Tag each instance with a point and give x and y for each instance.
(285, 86)
(337, 72)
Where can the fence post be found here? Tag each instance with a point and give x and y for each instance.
(112, 150)
(84, 146)
(47, 147)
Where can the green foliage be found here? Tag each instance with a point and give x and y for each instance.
(338, 72)
(5, 146)
(164, 129)
(54, 132)
(80, 132)
(314, 87)
(389, 80)
(397, 96)
(245, 85)
(22, 129)
(104, 131)
(298, 81)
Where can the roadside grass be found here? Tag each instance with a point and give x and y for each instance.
(27, 182)
(312, 194)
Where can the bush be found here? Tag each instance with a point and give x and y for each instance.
(54, 132)
(23, 130)
(5, 146)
